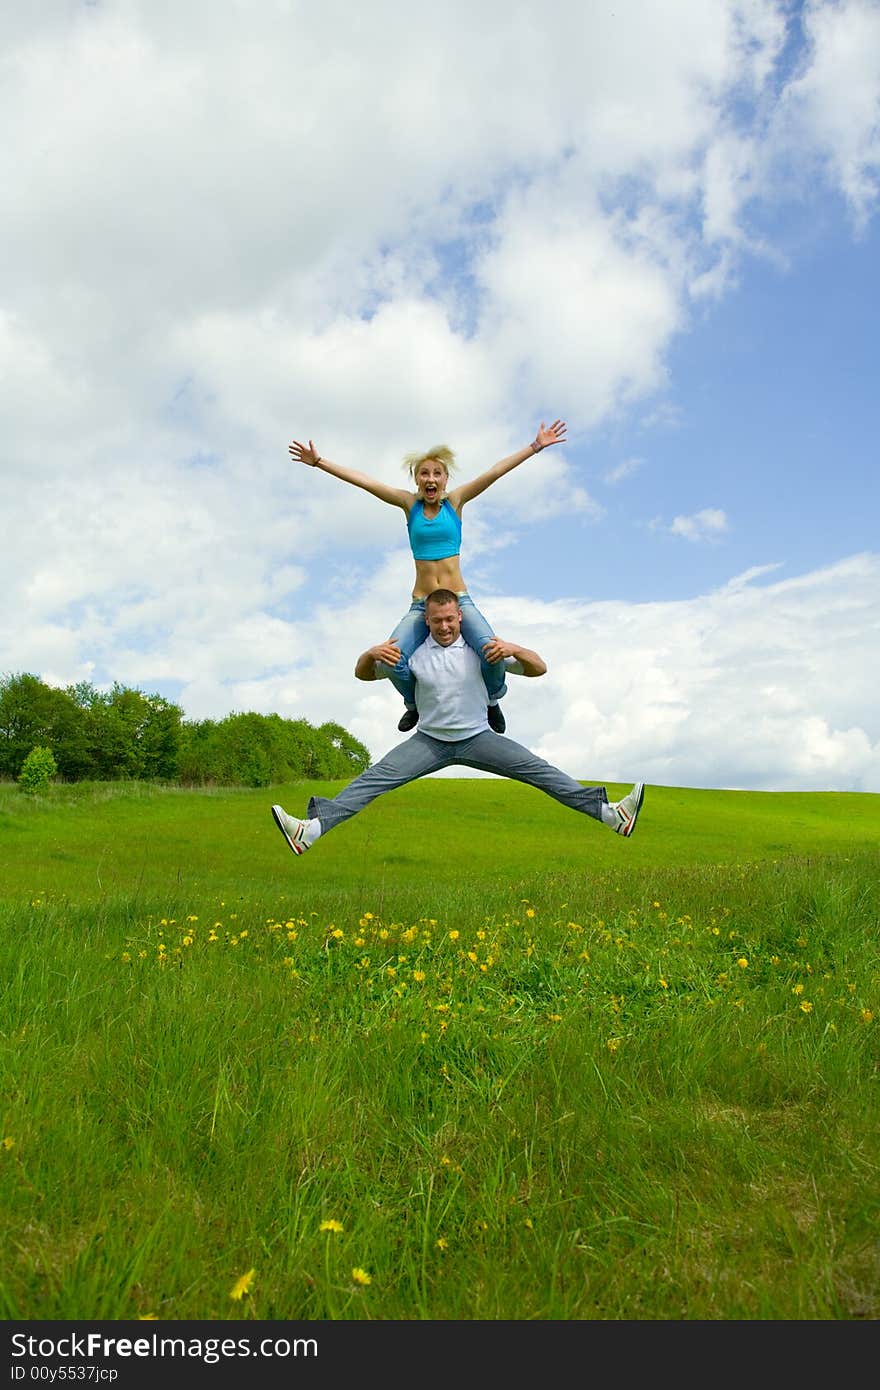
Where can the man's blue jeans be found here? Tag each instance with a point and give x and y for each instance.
(412, 630)
(421, 754)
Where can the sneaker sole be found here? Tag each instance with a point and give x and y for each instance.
(295, 841)
(629, 826)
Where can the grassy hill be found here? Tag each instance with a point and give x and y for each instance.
(472, 1057)
(416, 847)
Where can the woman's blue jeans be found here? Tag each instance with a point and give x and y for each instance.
(412, 630)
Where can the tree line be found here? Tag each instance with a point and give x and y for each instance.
(122, 733)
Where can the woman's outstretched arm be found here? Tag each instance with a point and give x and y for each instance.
(308, 454)
(547, 435)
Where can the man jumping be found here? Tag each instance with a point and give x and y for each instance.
(453, 729)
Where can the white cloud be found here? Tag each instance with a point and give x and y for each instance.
(707, 524)
(625, 469)
(833, 108)
(740, 688)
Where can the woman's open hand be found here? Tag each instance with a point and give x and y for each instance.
(550, 434)
(304, 453)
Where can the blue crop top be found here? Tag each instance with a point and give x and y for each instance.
(437, 537)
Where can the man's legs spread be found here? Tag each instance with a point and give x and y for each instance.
(413, 758)
(492, 753)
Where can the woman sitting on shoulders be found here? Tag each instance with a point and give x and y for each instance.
(433, 519)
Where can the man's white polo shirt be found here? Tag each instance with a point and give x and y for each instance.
(450, 692)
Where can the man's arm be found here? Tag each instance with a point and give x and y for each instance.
(499, 650)
(388, 653)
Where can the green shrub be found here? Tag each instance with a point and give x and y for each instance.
(37, 771)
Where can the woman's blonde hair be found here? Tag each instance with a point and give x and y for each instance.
(441, 452)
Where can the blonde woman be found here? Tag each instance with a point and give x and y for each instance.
(433, 520)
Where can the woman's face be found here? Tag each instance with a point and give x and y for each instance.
(431, 479)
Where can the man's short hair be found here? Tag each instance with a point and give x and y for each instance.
(439, 596)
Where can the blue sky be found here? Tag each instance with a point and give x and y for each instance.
(383, 230)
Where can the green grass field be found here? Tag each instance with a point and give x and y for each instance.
(471, 1057)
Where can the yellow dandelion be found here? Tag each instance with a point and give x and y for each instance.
(360, 1276)
(242, 1285)
(442, 1243)
(743, 963)
(331, 1225)
(418, 976)
(530, 912)
(613, 1044)
(797, 989)
(529, 1224)
(866, 1016)
(126, 957)
(555, 1018)
(663, 983)
(806, 1006)
(8, 1143)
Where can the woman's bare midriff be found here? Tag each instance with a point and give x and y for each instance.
(437, 574)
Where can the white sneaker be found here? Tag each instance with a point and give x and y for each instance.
(626, 811)
(292, 829)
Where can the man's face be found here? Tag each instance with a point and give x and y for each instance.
(444, 622)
